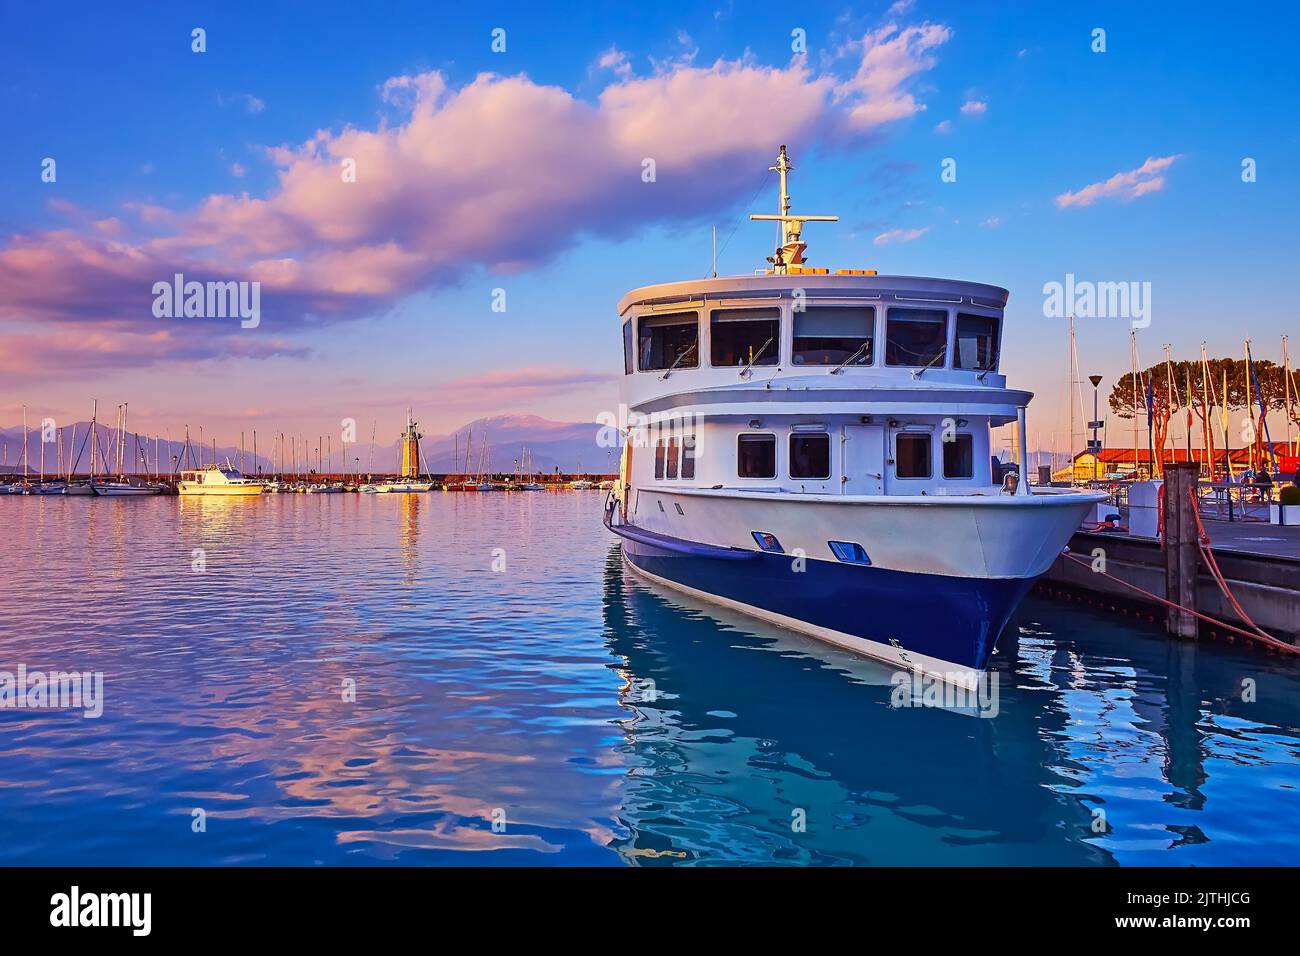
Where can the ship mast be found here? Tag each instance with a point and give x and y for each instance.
(791, 248)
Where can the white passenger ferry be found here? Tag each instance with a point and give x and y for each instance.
(812, 447)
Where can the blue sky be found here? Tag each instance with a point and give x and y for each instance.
(135, 118)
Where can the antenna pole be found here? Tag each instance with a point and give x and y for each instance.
(782, 169)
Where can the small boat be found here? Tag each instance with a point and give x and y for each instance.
(324, 488)
(214, 481)
(78, 488)
(582, 484)
(399, 485)
(49, 488)
(122, 487)
(528, 472)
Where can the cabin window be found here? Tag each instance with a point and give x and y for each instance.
(659, 460)
(959, 457)
(977, 342)
(912, 455)
(756, 456)
(669, 341)
(826, 335)
(742, 337)
(628, 351)
(688, 457)
(810, 455)
(672, 458)
(767, 541)
(850, 552)
(916, 337)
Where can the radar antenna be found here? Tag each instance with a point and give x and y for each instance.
(791, 248)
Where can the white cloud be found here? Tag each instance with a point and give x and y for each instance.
(974, 108)
(899, 235)
(1147, 178)
(250, 103)
(616, 61)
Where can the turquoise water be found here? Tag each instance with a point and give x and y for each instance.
(595, 719)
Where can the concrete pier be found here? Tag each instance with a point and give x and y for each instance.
(1261, 563)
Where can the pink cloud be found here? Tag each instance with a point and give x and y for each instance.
(1147, 178)
(891, 57)
(73, 350)
(502, 173)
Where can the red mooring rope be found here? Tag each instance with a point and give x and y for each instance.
(1204, 544)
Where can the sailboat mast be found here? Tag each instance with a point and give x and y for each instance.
(1133, 356)
(1069, 399)
(1250, 411)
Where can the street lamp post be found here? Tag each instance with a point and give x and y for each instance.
(1096, 424)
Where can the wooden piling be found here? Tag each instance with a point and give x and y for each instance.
(1182, 554)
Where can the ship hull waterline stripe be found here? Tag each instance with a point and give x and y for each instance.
(922, 622)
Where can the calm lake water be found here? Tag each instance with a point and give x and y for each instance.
(606, 721)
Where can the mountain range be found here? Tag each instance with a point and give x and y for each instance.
(493, 444)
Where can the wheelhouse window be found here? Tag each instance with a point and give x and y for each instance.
(959, 457)
(826, 335)
(669, 341)
(912, 455)
(810, 455)
(659, 460)
(756, 456)
(672, 458)
(628, 351)
(688, 457)
(916, 337)
(977, 342)
(742, 337)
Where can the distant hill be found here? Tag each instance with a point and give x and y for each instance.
(139, 455)
(569, 446)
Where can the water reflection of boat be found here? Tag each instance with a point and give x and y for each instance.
(733, 729)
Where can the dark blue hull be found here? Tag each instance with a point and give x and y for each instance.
(956, 620)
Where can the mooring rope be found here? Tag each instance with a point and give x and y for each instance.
(1203, 542)
(1261, 636)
